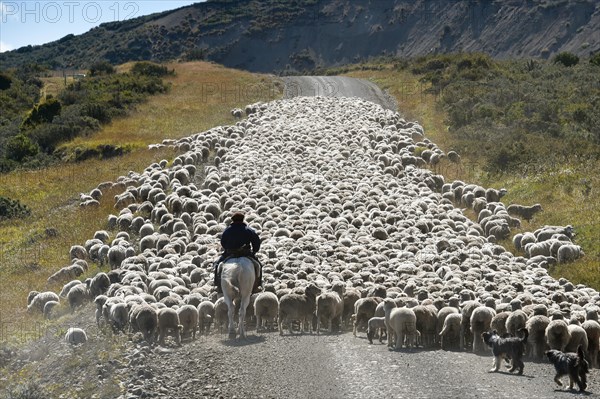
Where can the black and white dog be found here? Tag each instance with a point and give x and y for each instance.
(512, 348)
(572, 364)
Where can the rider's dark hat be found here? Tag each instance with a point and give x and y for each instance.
(237, 217)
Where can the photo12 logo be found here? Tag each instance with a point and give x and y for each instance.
(67, 11)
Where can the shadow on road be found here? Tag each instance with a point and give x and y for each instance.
(249, 340)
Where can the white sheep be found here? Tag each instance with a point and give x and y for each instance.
(266, 309)
(39, 300)
(49, 309)
(75, 336)
(569, 253)
(536, 342)
(298, 307)
(376, 325)
(168, 322)
(330, 306)
(401, 325)
(481, 319)
(450, 334)
(557, 335)
(577, 337)
(206, 314)
(364, 309)
(188, 318)
(427, 324)
(78, 296)
(592, 329)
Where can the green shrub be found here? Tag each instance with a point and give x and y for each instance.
(102, 68)
(5, 81)
(595, 59)
(20, 147)
(147, 68)
(10, 209)
(566, 58)
(42, 113)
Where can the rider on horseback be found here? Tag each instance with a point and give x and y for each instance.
(239, 240)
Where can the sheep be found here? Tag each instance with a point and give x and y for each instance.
(427, 324)
(78, 295)
(76, 336)
(499, 323)
(330, 306)
(351, 295)
(49, 309)
(99, 284)
(569, 253)
(364, 309)
(516, 321)
(536, 342)
(592, 329)
(450, 334)
(524, 212)
(577, 337)
(465, 332)
(206, 313)
(266, 308)
(298, 307)
(481, 319)
(99, 301)
(442, 314)
(401, 323)
(66, 273)
(557, 334)
(375, 325)
(118, 316)
(188, 318)
(168, 321)
(77, 252)
(358, 211)
(38, 300)
(453, 156)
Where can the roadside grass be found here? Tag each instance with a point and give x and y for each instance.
(566, 190)
(33, 248)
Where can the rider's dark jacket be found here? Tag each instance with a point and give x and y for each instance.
(239, 234)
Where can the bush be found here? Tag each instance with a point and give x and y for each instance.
(147, 68)
(566, 58)
(595, 60)
(10, 209)
(42, 113)
(19, 147)
(102, 68)
(5, 81)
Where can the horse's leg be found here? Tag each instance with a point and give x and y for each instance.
(243, 305)
(230, 312)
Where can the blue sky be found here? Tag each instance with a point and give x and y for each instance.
(38, 22)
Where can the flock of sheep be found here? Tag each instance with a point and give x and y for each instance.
(356, 234)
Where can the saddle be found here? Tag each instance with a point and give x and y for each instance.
(246, 253)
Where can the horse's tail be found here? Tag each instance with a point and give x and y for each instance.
(231, 288)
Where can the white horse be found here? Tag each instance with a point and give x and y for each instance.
(237, 280)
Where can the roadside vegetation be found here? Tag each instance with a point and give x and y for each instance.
(36, 244)
(530, 126)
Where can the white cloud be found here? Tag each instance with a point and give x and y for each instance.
(5, 47)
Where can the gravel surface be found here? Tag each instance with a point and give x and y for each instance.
(328, 366)
(337, 86)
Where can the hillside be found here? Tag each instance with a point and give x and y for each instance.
(301, 35)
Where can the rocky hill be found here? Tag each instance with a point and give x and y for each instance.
(301, 35)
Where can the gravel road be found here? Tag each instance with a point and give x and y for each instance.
(331, 366)
(337, 86)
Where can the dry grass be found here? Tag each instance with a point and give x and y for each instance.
(562, 190)
(28, 255)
